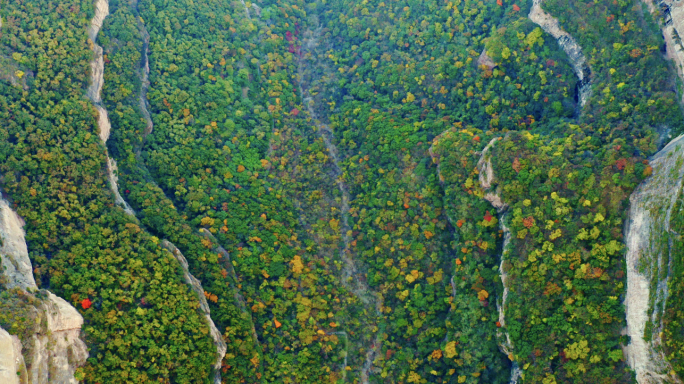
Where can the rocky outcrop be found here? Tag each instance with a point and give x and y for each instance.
(579, 63)
(649, 217)
(486, 60)
(55, 349)
(673, 33)
(94, 94)
(12, 367)
(246, 9)
(13, 252)
(196, 286)
(114, 182)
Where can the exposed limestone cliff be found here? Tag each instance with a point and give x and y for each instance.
(12, 367)
(57, 351)
(196, 286)
(13, 252)
(579, 63)
(54, 350)
(649, 217)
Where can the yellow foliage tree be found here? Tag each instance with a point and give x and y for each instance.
(297, 266)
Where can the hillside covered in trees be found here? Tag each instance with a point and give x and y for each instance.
(341, 191)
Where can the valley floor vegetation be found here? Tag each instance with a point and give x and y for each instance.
(317, 164)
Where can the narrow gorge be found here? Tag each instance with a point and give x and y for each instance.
(94, 93)
(351, 275)
(577, 59)
(493, 196)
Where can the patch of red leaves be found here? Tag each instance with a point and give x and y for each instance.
(528, 222)
(620, 164)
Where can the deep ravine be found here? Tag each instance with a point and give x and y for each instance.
(351, 276)
(94, 93)
(577, 60)
(486, 179)
(649, 216)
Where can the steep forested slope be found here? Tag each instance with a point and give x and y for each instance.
(143, 322)
(366, 191)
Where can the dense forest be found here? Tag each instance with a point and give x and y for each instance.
(365, 191)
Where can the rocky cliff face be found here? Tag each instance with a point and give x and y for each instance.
(54, 350)
(13, 252)
(649, 217)
(57, 350)
(579, 63)
(12, 367)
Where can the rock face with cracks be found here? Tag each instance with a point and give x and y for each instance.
(58, 351)
(55, 349)
(13, 252)
(649, 214)
(12, 367)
